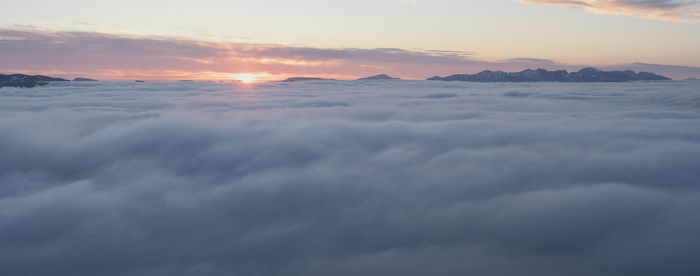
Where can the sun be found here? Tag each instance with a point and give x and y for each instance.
(246, 78)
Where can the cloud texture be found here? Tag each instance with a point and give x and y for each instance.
(109, 56)
(122, 57)
(350, 178)
(668, 10)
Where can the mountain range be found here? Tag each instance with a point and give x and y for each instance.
(541, 75)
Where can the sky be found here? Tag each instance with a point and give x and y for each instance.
(486, 34)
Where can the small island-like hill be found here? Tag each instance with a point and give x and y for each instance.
(83, 79)
(379, 77)
(297, 79)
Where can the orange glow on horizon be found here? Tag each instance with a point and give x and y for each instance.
(246, 78)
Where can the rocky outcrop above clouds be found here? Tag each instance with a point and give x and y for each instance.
(27, 81)
(542, 75)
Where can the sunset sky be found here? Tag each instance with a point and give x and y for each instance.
(271, 39)
(194, 153)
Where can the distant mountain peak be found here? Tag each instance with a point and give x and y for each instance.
(296, 79)
(379, 77)
(27, 81)
(588, 74)
(83, 79)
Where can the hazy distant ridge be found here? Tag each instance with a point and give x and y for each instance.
(22, 80)
(542, 75)
(379, 77)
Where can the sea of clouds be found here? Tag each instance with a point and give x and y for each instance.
(350, 178)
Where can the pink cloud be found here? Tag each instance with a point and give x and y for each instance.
(121, 57)
(667, 10)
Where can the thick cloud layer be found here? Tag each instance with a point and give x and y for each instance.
(350, 178)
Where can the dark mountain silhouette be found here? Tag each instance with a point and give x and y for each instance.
(83, 79)
(296, 79)
(379, 77)
(22, 80)
(542, 75)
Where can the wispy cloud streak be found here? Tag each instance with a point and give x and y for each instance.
(115, 57)
(119, 56)
(667, 10)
